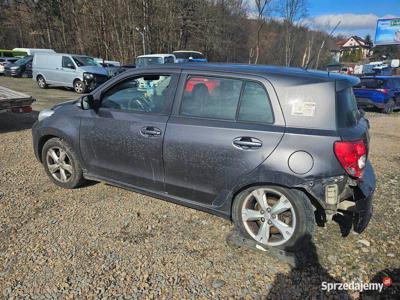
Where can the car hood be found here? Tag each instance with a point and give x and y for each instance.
(64, 104)
(94, 70)
(11, 66)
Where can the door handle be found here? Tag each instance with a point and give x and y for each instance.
(150, 131)
(247, 143)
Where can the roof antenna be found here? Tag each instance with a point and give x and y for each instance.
(322, 45)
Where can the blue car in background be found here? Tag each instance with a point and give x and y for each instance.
(382, 92)
(184, 56)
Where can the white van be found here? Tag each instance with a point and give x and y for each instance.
(31, 51)
(81, 72)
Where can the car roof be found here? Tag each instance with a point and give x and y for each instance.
(260, 70)
(380, 77)
(156, 55)
(187, 51)
(60, 54)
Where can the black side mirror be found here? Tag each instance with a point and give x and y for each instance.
(88, 102)
(70, 66)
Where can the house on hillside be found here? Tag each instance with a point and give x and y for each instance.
(352, 49)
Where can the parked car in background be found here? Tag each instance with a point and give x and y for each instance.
(21, 68)
(382, 92)
(346, 70)
(113, 63)
(154, 59)
(113, 67)
(184, 56)
(31, 51)
(261, 148)
(80, 72)
(6, 60)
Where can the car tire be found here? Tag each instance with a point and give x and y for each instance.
(79, 86)
(61, 164)
(294, 216)
(24, 74)
(41, 82)
(389, 107)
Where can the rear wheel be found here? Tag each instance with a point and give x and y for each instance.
(41, 82)
(79, 86)
(61, 164)
(389, 107)
(274, 216)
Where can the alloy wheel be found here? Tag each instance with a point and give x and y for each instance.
(41, 82)
(79, 87)
(268, 216)
(59, 164)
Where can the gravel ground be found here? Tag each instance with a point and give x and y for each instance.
(100, 241)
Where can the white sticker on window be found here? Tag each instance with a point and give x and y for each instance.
(303, 108)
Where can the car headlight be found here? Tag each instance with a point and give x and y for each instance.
(45, 113)
(88, 76)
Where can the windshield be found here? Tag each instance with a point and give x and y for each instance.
(82, 61)
(145, 61)
(23, 60)
(186, 55)
(370, 83)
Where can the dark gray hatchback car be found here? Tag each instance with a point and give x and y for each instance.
(273, 149)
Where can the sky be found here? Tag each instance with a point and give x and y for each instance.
(358, 17)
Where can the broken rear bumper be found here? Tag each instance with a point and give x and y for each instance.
(363, 195)
(359, 204)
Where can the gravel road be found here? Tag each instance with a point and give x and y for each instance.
(103, 242)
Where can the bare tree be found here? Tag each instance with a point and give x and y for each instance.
(222, 29)
(292, 12)
(261, 6)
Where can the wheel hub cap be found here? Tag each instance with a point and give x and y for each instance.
(59, 164)
(268, 216)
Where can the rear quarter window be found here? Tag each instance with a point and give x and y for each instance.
(255, 105)
(347, 113)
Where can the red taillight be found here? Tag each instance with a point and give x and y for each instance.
(385, 91)
(352, 156)
(23, 109)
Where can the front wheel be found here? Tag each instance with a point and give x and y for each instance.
(79, 86)
(61, 164)
(41, 82)
(274, 216)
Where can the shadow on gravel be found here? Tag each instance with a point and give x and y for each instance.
(391, 290)
(12, 122)
(306, 279)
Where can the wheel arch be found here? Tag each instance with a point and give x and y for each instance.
(313, 201)
(76, 79)
(40, 75)
(54, 134)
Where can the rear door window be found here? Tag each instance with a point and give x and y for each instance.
(347, 113)
(211, 97)
(255, 105)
